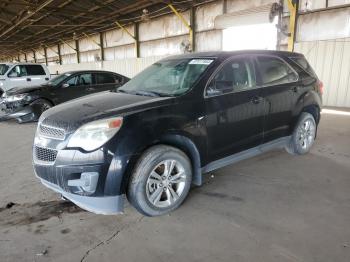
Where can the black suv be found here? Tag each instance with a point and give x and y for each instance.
(27, 103)
(181, 117)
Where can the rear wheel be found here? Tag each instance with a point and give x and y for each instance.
(161, 181)
(303, 136)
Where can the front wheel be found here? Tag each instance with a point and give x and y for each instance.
(303, 136)
(160, 181)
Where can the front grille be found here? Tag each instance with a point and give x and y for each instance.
(51, 132)
(45, 154)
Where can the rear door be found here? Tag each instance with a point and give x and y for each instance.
(36, 75)
(106, 81)
(235, 109)
(280, 86)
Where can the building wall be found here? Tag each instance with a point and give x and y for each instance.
(327, 47)
(325, 44)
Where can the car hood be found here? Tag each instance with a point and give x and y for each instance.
(73, 114)
(21, 90)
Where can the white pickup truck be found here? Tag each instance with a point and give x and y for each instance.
(22, 75)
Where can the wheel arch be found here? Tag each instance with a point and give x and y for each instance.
(178, 141)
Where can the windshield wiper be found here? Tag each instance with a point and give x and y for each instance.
(143, 93)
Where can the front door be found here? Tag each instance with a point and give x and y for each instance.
(76, 86)
(235, 109)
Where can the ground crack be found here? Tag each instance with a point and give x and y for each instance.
(107, 241)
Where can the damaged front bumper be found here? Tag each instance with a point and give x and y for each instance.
(22, 114)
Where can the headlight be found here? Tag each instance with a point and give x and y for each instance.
(95, 134)
(15, 98)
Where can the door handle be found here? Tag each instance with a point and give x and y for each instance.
(29, 79)
(90, 89)
(256, 99)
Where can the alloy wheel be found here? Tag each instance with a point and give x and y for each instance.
(166, 183)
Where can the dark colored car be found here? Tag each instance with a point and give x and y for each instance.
(178, 119)
(27, 103)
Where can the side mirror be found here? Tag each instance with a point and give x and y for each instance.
(65, 85)
(13, 74)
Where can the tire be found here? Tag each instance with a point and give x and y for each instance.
(43, 104)
(154, 192)
(303, 136)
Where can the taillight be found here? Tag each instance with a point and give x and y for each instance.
(320, 87)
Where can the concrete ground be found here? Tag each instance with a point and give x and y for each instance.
(275, 207)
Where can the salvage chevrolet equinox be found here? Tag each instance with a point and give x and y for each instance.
(180, 118)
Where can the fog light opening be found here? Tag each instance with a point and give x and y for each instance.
(87, 182)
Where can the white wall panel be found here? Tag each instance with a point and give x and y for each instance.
(306, 5)
(331, 61)
(324, 25)
(128, 67)
(338, 2)
(209, 41)
(205, 15)
(69, 59)
(68, 48)
(52, 51)
(163, 27)
(118, 37)
(120, 52)
(90, 56)
(22, 58)
(40, 54)
(168, 46)
(89, 43)
(238, 5)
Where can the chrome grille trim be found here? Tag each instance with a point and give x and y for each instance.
(44, 156)
(51, 132)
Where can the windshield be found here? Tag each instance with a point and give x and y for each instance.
(58, 79)
(3, 69)
(167, 78)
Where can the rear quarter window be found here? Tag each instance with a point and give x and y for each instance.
(275, 71)
(303, 63)
(35, 70)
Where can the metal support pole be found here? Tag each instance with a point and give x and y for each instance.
(193, 28)
(190, 29)
(102, 47)
(293, 9)
(25, 57)
(59, 54)
(77, 50)
(34, 56)
(45, 53)
(137, 39)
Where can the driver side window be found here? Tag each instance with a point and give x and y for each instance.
(18, 71)
(73, 81)
(236, 75)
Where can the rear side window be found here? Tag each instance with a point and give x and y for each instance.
(274, 71)
(302, 62)
(35, 70)
(236, 75)
(105, 78)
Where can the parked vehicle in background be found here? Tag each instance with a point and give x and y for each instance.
(22, 75)
(181, 117)
(27, 103)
